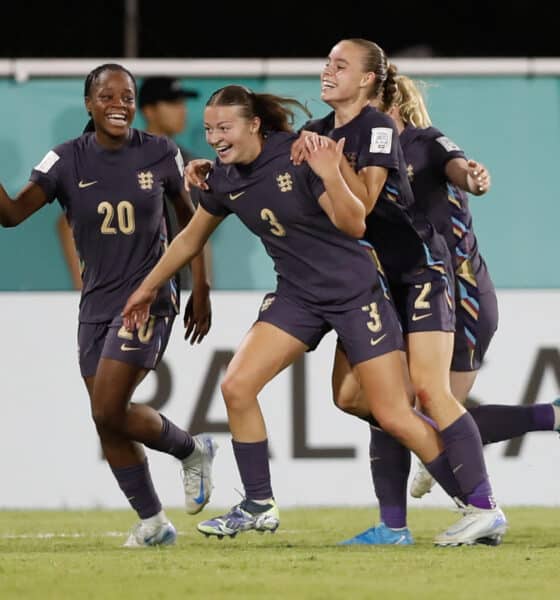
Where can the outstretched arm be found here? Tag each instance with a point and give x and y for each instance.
(182, 250)
(28, 201)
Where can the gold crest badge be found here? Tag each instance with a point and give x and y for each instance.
(285, 182)
(145, 180)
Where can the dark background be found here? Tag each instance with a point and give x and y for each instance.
(193, 29)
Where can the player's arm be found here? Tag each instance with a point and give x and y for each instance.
(469, 175)
(186, 245)
(29, 200)
(366, 185)
(66, 239)
(343, 208)
(198, 312)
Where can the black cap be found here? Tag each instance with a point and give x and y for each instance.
(156, 89)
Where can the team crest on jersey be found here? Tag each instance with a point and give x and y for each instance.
(267, 303)
(145, 180)
(410, 172)
(285, 182)
(352, 158)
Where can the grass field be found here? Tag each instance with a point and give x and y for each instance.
(77, 554)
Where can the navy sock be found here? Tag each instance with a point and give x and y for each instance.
(254, 468)
(173, 440)
(463, 447)
(136, 483)
(498, 423)
(390, 467)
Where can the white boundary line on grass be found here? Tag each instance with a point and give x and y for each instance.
(108, 534)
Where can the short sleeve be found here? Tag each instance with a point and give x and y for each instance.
(380, 147)
(443, 149)
(47, 173)
(214, 203)
(172, 170)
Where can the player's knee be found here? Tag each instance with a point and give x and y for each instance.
(107, 420)
(236, 392)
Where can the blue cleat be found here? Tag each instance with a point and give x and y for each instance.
(381, 535)
(197, 473)
(245, 516)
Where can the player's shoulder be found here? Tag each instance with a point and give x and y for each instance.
(436, 136)
(154, 144)
(373, 117)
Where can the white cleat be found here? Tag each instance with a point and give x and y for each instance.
(197, 473)
(142, 535)
(477, 526)
(422, 482)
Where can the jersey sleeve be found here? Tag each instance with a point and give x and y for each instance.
(380, 145)
(47, 173)
(214, 203)
(442, 149)
(172, 169)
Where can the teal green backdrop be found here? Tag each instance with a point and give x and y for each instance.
(512, 124)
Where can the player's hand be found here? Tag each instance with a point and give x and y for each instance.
(323, 154)
(136, 311)
(478, 178)
(198, 315)
(298, 151)
(196, 172)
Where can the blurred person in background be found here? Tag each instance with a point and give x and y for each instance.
(110, 183)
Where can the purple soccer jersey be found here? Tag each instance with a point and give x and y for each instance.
(326, 279)
(427, 151)
(278, 202)
(402, 237)
(114, 203)
(414, 256)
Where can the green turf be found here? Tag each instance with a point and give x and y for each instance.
(83, 559)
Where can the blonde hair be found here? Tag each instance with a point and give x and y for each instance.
(410, 102)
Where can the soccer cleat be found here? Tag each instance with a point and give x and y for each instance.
(197, 473)
(142, 535)
(245, 516)
(477, 526)
(422, 482)
(381, 535)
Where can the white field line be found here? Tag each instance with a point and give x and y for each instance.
(108, 534)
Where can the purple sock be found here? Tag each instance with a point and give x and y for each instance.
(136, 483)
(463, 447)
(390, 466)
(441, 471)
(173, 440)
(498, 423)
(254, 468)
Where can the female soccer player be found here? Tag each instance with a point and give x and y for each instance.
(308, 220)
(110, 182)
(417, 263)
(440, 176)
